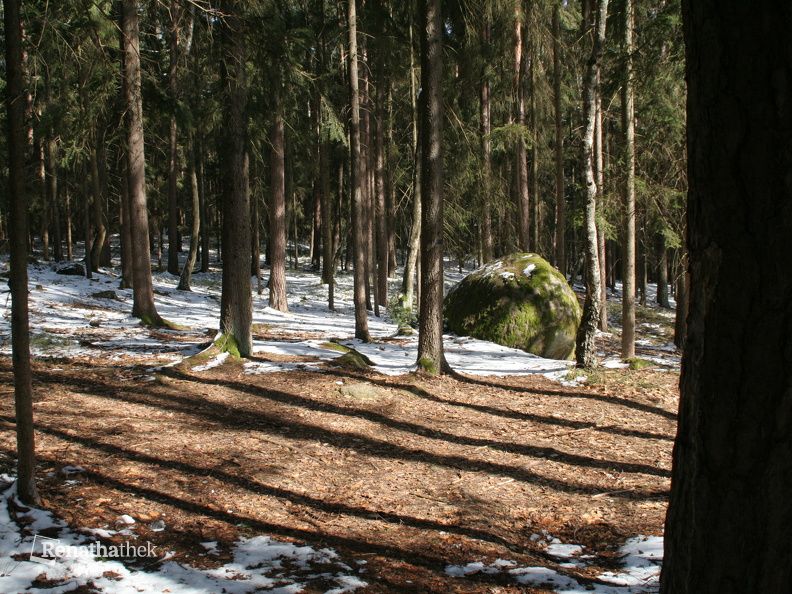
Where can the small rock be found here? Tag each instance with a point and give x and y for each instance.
(157, 526)
(71, 269)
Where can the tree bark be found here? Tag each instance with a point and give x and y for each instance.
(143, 306)
(18, 231)
(173, 138)
(381, 215)
(487, 251)
(662, 272)
(727, 528)
(585, 352)
(358, 226)
(560, 205)
(236, 309)
(277, 210)
(628, 247)
(414, 248)
(431, 357)
(184, 279)
(521, 154)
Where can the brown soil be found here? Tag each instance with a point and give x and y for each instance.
(409, 475)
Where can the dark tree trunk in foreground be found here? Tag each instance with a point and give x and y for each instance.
(729, 518)
(430, 328)
(18, 231)
(358, 226)
(585, 351)
(143, 306)
(236, 307)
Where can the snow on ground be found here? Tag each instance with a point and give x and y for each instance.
(71, 316)
(28, 560)
(641, 557)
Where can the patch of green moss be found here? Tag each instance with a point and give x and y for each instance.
(637, 363)
(227, 343)
(354, 359)
(334, 346)
(428, 366)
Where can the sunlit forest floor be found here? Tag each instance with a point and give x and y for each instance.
(418, 484)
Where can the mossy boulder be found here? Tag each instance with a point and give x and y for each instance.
(519, 301)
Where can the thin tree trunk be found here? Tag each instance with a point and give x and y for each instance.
(143, 306)
(628, 248)
(18, 206)
(560, 205)
(521, 154)
(682, 289)
(173, 137)
(255, 239)
(184, 280)
(277, 211)
(100, 230)
(51, 156)
(358, 213)
(487, 251)
(586, 353)
(236, 308)
(662, 272)
(601, 239)
(381, 215)
(431, 357)
(414, 249)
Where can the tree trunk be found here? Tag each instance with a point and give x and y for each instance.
(143, 306)
(18, 232)
(682, 284)
(521, 154)
(487, 251)
(184, 280)
(560, 206)
(431, 357)
(277, 210)
(599, 169)
(662, 272)
(358, 226)
(586, 352)
(381, 215)
(51, 156)
(100, 229)
(727, 528)
(236, 310)
(628, 247)
(173, 137)
(414, 248)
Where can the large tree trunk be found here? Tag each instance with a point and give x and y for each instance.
(143, 305)
(358, 226)
(236, 309)
(277, 212)
(18, 206)
(628, 247)
(560, 205)
(431, 357)
(586, 352)
(730, 511)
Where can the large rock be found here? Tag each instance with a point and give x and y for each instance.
(519, 301)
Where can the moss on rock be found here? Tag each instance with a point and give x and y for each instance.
(519, 301)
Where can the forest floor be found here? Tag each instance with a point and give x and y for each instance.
(398, 482)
